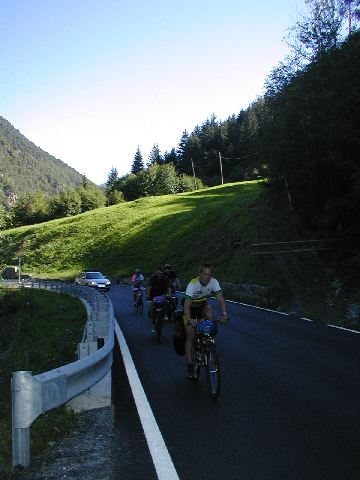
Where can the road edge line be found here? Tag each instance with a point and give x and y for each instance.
(161, 458)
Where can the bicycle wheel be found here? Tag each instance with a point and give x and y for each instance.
(212, 372)
(196, 372)
(139, 304)
(159, 321)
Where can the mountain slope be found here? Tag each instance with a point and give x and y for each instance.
(24, 167)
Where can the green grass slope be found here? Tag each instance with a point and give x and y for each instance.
(180, 229)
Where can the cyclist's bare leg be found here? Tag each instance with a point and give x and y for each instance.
(189, 343)
(152, 313)
(207, 312)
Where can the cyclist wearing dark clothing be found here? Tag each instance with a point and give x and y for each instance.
(159, 284)
(174, 281)
(175, 285)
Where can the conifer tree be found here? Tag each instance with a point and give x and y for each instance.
(170, 157)
(138, 163)
(155, 156)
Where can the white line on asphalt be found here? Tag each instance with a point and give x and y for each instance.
(343, 328)
(282, 313)
(164, 466)
(258, 308)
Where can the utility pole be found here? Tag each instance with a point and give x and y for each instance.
(221, 170)
(19, 269)
(288, 193)
(193, 169)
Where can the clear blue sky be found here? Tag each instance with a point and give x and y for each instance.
(90, 80)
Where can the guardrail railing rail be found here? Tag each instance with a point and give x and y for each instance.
(33, 395)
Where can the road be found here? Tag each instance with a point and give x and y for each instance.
(288, 407)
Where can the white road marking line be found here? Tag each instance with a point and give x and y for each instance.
(283, 313)
(164, 466)
(343, 328)
(258, 308)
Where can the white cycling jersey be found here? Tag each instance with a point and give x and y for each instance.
(198, 293)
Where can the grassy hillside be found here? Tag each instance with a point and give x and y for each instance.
(217, 224)
(181, 229)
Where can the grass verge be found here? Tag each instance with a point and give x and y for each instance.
(39, 331)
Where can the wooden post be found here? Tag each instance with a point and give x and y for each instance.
(193, 169)
(221, 170)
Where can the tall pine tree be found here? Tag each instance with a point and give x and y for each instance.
(138, 163)
(155, 156)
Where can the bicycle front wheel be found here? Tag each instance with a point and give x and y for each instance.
(212, 369)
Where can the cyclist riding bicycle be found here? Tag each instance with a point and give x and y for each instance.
(196, 306)
(158, 285)
(137, 281)
(175, 285)
(174, 281)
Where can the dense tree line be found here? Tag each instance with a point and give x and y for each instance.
(38, 207)
(311, 139)
(158, 178)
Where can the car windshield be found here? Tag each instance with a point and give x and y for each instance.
(94, 275)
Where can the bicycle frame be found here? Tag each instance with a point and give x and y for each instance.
(159, 313)
(138, 294)
(205, 356)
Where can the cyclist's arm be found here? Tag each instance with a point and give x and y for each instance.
(168, 289)
(221, 303)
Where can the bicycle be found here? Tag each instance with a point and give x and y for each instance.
(159, 310)
(205, 355)
(172, 306)
(138, 300)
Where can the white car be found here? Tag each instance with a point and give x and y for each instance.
(93, 279)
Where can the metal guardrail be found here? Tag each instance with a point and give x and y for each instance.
(34, 395)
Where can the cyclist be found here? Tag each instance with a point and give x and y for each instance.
(159, 284)
(137, 281)
(174, 284)
(196, 306)
(174, 281)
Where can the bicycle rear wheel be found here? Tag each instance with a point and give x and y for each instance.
(159, 322)
(212, 369)
(139, 304)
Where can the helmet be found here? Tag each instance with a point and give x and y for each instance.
(206, 327)
(137, 270)
(167, 266)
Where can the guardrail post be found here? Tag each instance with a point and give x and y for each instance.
(20, 436)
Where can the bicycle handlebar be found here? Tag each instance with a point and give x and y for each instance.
(194, 321)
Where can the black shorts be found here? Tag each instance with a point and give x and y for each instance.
(197, 312)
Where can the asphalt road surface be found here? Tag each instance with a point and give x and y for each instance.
(288, 406)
